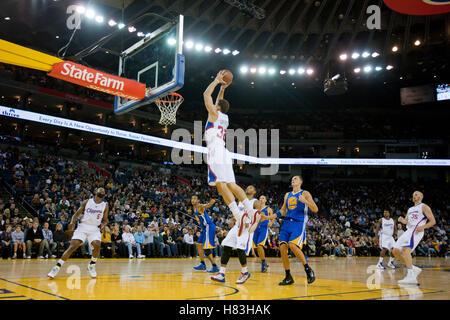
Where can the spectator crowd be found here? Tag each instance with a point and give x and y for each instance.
(150, 214)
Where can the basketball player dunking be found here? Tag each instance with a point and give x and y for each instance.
(240, 238)
(206, 241)
(296, 206)
(95, 213)
(261, 232)
(416, 223)
(386, 228)
(220, 166)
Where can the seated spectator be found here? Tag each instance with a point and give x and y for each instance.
(188, 241)
(18, 240)
(50, 245)
(139, 237)
(116, 242)
(149, 234)
(34, 238)
(129, 241)
(60, 239)
(106, 245)
(6, 244)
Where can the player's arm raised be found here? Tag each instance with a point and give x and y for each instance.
(74, 219)
(207, 97)
(431, 220)
(221, 92)
(202, 207)
(307, 199)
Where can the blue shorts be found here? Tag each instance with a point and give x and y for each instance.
(207, 237)
(293, 232)
(260, 236)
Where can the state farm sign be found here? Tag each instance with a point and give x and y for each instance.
(96, 80)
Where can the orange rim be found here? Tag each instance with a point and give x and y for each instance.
(179, 96)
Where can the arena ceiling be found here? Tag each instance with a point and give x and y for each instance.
(312, 32)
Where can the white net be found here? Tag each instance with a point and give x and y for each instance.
(168, 107)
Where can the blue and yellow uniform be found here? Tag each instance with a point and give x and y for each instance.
(208, 234)
(261, 232)
(293, 229)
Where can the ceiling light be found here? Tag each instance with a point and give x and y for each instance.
(199, 47)
(367, 69)
(189, 44)
(208, 49)
(99, 19)
(112, 23)
(343, 57)
(355, 55)
(131, 29)
(378, 68)
(309, 71)
(389, 67)
(90, 13)
(121, 26)
(235, 52)
(218, 50)
(140, 34)
(365, 54)
(417, 43)
(226, 51)
(375, 54)
(301, 71)
(171, 41)
(81, 9)
(253, 70)
(394, 49)
(262, 70)
(291, 71)
(244, 69)
(282, 71)
(357, 70)
(271, 71)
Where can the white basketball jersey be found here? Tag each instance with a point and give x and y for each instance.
(416, 217)
(387, 227)
(215, 131)
(241, 206)
(93, 212)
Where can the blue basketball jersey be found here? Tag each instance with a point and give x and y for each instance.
(265, 211)
(202, 219)
(295, 208)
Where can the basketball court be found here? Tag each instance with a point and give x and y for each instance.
(352, 278)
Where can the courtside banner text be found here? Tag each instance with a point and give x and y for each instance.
(93, 128)
(97, 80)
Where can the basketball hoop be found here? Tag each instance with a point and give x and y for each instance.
(168, 107)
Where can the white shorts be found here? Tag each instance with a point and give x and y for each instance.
(220, 165)
(387, 242)
(243, 242)
(87, 231)
(409, 239)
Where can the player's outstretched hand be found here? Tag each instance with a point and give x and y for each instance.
(219, 77)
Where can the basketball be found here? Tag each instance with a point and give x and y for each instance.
(228, 76)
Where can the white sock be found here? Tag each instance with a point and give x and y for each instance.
(381, 260)
(391, 259)
(61, 262)
(234, 209)
(223, 269)
(94, 259)
(244, 269)
(410, 272)
(247, 205)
